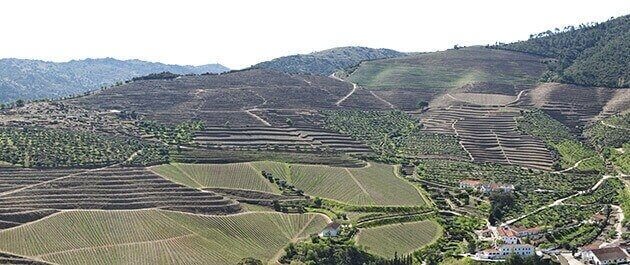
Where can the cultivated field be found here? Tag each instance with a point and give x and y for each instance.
(577, 106)
(401, 238)
(489, 134)
(230, 99)
(29, 192)
(375, 184)
(450, 69)
(157, 237)
(232, 176)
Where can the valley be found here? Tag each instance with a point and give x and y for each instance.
(350, 155)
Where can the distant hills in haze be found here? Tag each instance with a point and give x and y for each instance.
(328, 61)
(35, 79)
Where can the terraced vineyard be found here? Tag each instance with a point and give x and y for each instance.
(277, 139)
(232, 176)
(576, 106)
(32, 192)
(157, 237)
(376, 184)
(398, 238)
(489, 134)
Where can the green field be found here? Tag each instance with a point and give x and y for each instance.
(376, 184)
(233, 176)
(449, 69)
(157, 237)
(401, 238)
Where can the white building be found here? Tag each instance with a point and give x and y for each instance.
(608, 255)
(505, 250)
(331, 230)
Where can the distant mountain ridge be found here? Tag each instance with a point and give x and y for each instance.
(328, 61)
(36, 79)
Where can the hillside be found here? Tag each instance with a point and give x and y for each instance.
(236, 98)
(34, 79)
(328, 61)
(593, 55)
(408, 81)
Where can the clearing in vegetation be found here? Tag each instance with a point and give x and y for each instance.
(158, 237)
(401, 238)
(232, 176)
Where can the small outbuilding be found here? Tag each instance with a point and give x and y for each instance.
(331, 230)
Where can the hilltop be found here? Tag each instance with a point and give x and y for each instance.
(328, 61)
(35, 79)
(591, 55)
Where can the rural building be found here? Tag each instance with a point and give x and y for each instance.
(470, 184)
(485, 187)
(521, 232)
(508, 236)
(608, 255)
(505, 250)
(331, 230)
(491, 187)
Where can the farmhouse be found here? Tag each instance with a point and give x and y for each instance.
(485, 187)
(491, 187)
(505, 250)
(470, 184)
(331, 230)
(608, 255)
(508, 236)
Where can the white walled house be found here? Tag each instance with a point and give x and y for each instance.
(608, 255)
(331, 230)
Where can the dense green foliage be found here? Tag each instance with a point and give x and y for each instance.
(392, 134)
(176, 135)
(328, 61)
(533, 188)
(38, 147)
(559, 216)
(595, 54)
(611, 132)
(558, 138)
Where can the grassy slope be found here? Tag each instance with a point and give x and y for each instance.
(402, 238)
(376, 184)
(157, 237)
(449, 69)
(235, 176)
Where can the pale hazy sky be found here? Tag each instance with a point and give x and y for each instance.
(239, 33)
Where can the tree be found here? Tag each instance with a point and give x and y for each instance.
(250, 261)
(19, 103)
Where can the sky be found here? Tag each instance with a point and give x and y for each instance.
(240, 33)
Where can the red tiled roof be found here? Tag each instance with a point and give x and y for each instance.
(506, 231)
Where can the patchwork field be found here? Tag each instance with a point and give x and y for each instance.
(401, 238)
(233, 176)
(157, 237)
